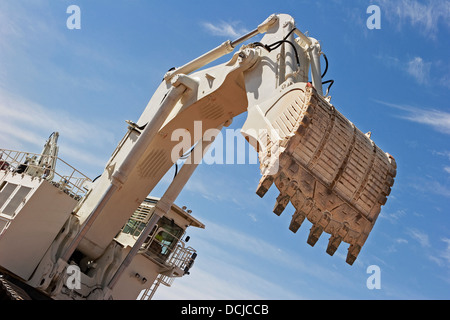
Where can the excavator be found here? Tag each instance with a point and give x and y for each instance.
(64, 236)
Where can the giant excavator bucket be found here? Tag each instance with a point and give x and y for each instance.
(333, 174)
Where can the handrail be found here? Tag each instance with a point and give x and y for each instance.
(66, 178)
(167, 256)
(179, 255)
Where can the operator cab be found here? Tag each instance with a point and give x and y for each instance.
(168, 235)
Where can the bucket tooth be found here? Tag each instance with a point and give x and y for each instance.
(280, 205)
(352, 254)
(264, 184)
(297, 219)
(314, 235)
(333, 244)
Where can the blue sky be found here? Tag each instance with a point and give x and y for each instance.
(392, 81)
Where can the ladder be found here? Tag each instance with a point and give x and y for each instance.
(148, 293)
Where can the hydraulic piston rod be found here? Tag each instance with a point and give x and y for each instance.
(163, 206)
(223, 49)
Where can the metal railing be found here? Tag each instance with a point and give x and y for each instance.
(168, 254)
(163, 247)
(181, 258)
(53, 169)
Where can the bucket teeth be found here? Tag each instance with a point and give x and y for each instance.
(280, 205)
(314, 235)
(353, 252)
(288, 189)
(332, 174)
(333, 244)
(297, 219)
(264, 184)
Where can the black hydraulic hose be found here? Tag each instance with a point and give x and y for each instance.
(277, 44)
(142, 127)
(183, 157)
(324, 73)
(326, 65)
(176, 170)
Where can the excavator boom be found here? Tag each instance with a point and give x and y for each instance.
(334, 175)
(331, 173)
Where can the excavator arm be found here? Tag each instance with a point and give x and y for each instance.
(333, 174)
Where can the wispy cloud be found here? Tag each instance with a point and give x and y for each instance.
(426, 16)
(393, 217)
(445, 254)
(440, 255)
(33, 115)
(419, 70)
(401, 240)
(226, 29)
(445, 153)
(223, 269)
(431, 186)
(424, 72)
(419, 236)
(29, 124)
(222, 189)
(395, 244)
(437, 119)
(31, 37)
(23, 24)
(219, 280)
